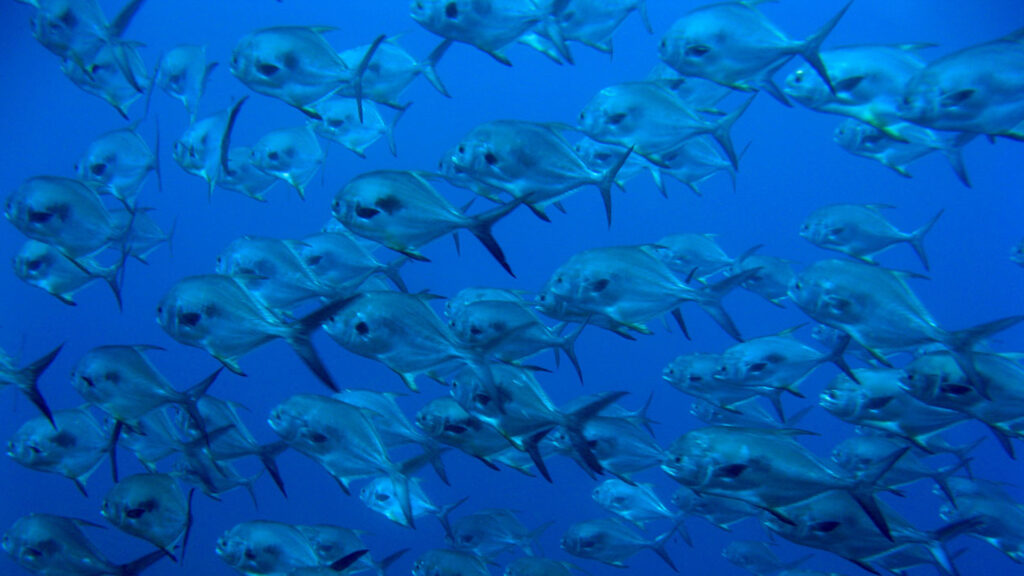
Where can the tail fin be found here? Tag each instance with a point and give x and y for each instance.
(268, 456)
(300, 331)
(390, 131)
(156, 157)
(188, 526)
(916, 239)
(386, 563)
(720, 132)
(954, 154)
(862, 492)
(568, 346)
(117, 27)
(962, 342)
(608, 181)
(430, 72)
(480, 226)
(442, 516)
(711, 300)
(658, 546)
(136, 567)
(191, 396)
(357, 83)
(810, 48)
(577, 419)
(28, 382)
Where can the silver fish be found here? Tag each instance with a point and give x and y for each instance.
(913, 142)
(72, 445)
(183, 73)
(151, 507)
(244, 177)
(391, 70)
(117, 163)
(441, 562)
(46, 267)
(637, 503)
(860, 230)
(612, 542)
(203, 149)
(291, 154)
(339, 122)
(26, 378)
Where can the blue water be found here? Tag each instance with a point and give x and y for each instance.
(791, 168)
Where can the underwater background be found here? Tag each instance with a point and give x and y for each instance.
(791, 168)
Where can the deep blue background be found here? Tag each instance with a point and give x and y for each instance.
(791, 168)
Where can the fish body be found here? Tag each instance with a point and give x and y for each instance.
(117, 163)
(46, 267)
(183, 73)
(339, 122)
(115, 73)
(489, 25)
(391, 70)
(340, 263)
(860, 231)
(269, 270)
(442, 562)
(266, 548)
(998, 517)
(905, 143)
(291, 154)
(611, 541)
(203, 148)
(637, 503)
(73, 445)
(149, 506)
(244, 177)
(488, 533)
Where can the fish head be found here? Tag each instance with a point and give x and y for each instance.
(56, 25)
(291, 418)
(811, 290)
(476, 395)
(823, 230)
(262, 60)
(363, 329)
(849, 459)
(185, 313)
(99, 165)
(842, 397)
(936, 378)
(690, 460)
(436, 15)
(695, 43)
(612, 116)
(693, 372)
(1017, 253)
(31, 446)
(35, 262)
(40, 207)
(806, 87)
(584, 539)
(195, 145)
(598, 156)
(102, 373)
(247, 256)
(37, 541)
(275, 153)
(853, 135)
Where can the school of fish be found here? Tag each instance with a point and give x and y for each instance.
(479, 358)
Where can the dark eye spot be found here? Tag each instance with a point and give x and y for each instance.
(695, 378)
(616, 119)
(389, 204)
(39, 217)
(314, 260)
(135, 513)
(33, 553)
(273, 155)
(758, 367)
(98, 169)
(366, 213)
(362, 328)
(491, 159)
(451, 10)
(697, 51)
(249, 554)
(382, 497)
(317, 438)
(267, 70)
(35, 265)
(600, 285)
(189, 318)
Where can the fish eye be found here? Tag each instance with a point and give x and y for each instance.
(466, 539)
(451, 10)
(362, 328)
(39, 217)
(697, 50)
(462, 149)
(491, 159)
(798, 77)
(189, 318)
(664, 43)
(314, 260)
(267, 70)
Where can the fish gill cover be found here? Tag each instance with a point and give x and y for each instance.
(269, 187)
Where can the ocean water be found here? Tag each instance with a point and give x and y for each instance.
(790, 168)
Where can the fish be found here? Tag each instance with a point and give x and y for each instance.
(41, 265)
(117, 163)
(339, 122)
(767, 469)
(401, 331)
(1017, 254)
(735, 45)
(404, 212)
(270, 270)
(995, 516)
(443, 562)
(121, 381)
(391, 70)
(699, 93)
(878, 400)
(46, 544)
(592, 23)
(913, 142)
(244, 177)
(770, 275)
(490, 25)
(203, 148)
(653, 121)
(72, 445)
(757, 557)
(832, 521)
(637, 503)
(621, 288)
(183, 73)
(694, 375)
(152, 438)
(685, 253)
(265, 547)
(295, 64)
(151, 507)
(975, 89)
(530, 161)
(75, 30)
(212, 477)
(880, 312)
(446, 421)
(215, 313)
(859, 454)
(860, 230)
(335, 543)
(380, 496)
(773, 365)
(66, 214)
(26, 378)
(717, 510)
(613, 444)
(343, 439)
(291, 154)
(937, 380)
(602, 157)
(867, 83)
(612, 542)
(489, 533)
(342, 264)
(116, 74)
